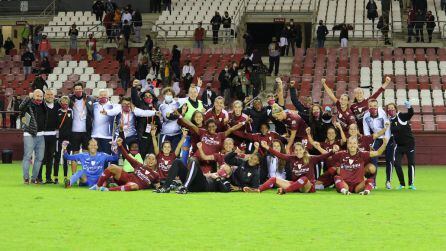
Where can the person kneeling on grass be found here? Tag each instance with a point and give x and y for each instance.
(303, 166)
(92, 164)
(143, 176)
(351, 168)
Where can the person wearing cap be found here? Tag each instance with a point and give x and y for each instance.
(274, 56)
(199, 35)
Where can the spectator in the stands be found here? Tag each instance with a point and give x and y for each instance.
(13, 106)
(117, 17)
(108, 24)
(208, 97)
(343, 36)
(126, 16)
(120, 48)
(24, 34)
(216, 23)
(175, 61)
(430, 25)
(443, 5)
(98, 9)
(245, 62)
(44, 47)
(372, 11)
(30, 44)
(226, 21)
(157, 59)
(199, 35)
(292, 34)
(137, 24)
(168, 5)
(141, 73)
(124, 75)
(39, 82)
(27, 59)
(91, 47)
(188, 74)
(410, 24)
(383, 26)
(249, 42)
(110, 6)
(274, 56)
(224, 78)
(9, 45)
(298, 36)
(283, 41)
(37, 38)
(420, 18)
(148, 45)
(126, 31)
(45, 66)
(73, 33)
(321, 34)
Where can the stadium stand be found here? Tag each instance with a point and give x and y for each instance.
(281, 5)
(85, 22)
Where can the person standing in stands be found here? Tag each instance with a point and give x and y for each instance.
(33, 139)
(410, 25)
(24, 34)
(9, 45)
(91, 47)
(137, 24)
(199, 35)
(372, 11)
(215, 22)
(50, 136)
(1, 39)
(126, 31)
(343, 36)
(44, 47)
(168, 5)
(73, 33)
(13, 106)
(39, 83)
(292, 35)
(321, 34)
(27, 59)
(226, 21)
(175, 61)
(225, 79)
(420, 18)
(274, 56)
(124, 75)
(430, 25)
(148, 45)
(98, 10)
(383, 25)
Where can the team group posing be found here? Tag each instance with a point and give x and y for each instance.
(195, 145)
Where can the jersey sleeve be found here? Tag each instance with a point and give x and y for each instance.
(74, 157)
(365, 156)
(280, 155)
(219, 158)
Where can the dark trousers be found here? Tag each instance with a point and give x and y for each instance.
(389, 158)
(215, 36)
(104, 145)
(48, 159)
(292, 44)
(419, 34)
(57, 159)
(409, 151)
(191, 176)
(176, 68)
(146, 144)
(274, 61)
(13, 121)
(125, 84)
(119, 55)
(156, 69)
(410, 33)
(429, 34)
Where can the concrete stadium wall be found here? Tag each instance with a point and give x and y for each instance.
(430, 147)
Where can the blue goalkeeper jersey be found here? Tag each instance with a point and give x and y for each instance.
(92, 165)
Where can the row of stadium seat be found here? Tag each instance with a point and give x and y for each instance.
(281, 6)
(86, 23)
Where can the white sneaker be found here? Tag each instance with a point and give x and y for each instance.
(365, 192)
(388, 185)
(94, 188)
(345, 191)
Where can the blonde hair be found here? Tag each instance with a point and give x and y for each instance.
(276, 109)
(306, 156)
(64, 98)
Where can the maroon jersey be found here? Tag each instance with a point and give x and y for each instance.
(365, 142)
(164, 163)
(141, 176)
(194, 138)
(235, 120)
(359, 108)
(298, 167)
(327, 146)
(293, 122)
(219, 118)
(352, 167)
(345, 118)
(211, 143)
(258, 137)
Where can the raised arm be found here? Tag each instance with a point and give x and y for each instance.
(133, 162)
(180, 144)
(341, 131)
(276, 153)
(406, 116)
(156, 148)
(234, 128)
(280, 98)
(291, 140)
(329, 91)
(186, 123)
(117, 109)
(380, 150)
(382, 131)
(294, 99)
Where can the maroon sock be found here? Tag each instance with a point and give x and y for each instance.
(368, 184)
(298, 184)
(121, 188)
(339, 183)
(331, 171)
(268, 184)
(104, 176)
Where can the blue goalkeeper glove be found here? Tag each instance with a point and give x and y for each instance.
(407, 104)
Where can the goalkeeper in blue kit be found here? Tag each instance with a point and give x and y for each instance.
(92, 164)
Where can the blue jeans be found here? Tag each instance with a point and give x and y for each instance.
(32, 144)
(320, 43)
(173, 140)
(389, 156)
(43, 54)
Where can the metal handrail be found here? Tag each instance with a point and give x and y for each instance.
(49, 10)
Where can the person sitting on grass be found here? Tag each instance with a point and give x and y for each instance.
(143, 177)
(92, 163)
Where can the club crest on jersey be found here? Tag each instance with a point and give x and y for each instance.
(166, 162)
(93, 162)
(299, 166)
(350, 161)
(340, 115)
(146, 172)
(69, 115)
(360, 109)
(249, 174)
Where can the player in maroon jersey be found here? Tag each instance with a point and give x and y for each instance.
(351, 168)
(218, 113)
(198, 120)
(212, 141)
(360, 104)
(302, 165)
(237, 116)
(265, 135)
(294, 124)
(344, 114)
(166, 157)
(143, 177)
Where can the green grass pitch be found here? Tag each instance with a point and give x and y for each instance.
(48, 217)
